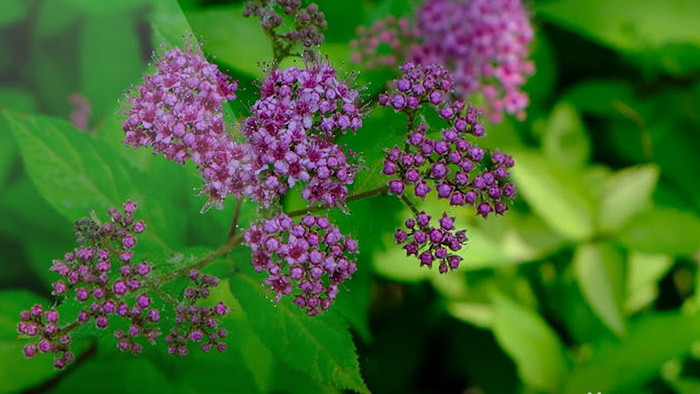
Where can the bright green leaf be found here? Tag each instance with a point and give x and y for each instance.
(626, 194)
(599, 271)
(76, 175)
(643, 273)
(566, 140)
(237, 41)
(320, 346)
(631, 26)
(531, 343)
(651, 340)
(663, 230)
(557, 195)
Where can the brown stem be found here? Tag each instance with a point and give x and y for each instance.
(369, 193)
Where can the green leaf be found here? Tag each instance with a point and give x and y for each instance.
(556, 194)
(599, 271)
(18, 372)
(237, 41)
(13, 11)
(320, 346)
(531, 343)
(651, 340)
(630, 26)
(110, 59)
(108, 6)
(601, 97)
(117, 375)
(76, 175)
(566, 140)
(17, 100)
(663, 230)
(643, 273)
(626, 194)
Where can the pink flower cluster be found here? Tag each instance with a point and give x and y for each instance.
(311, 257)
(197, 323)
(292, 128)
(102, 275)
(483, 43)
(453, 167)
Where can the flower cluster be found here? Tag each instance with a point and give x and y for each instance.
(455, 168)
(383, 43)
(432, 243)
(101, 274)
(45, 327)
(291, 129)
(484, 44)
(308, 22)
(197, 323)
(178, 111)
(311, 256)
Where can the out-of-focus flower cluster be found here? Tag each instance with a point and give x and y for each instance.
(483, 43)
(308, 22)
(103, 276)
(451, 166)
(292, 127)
(308, 259)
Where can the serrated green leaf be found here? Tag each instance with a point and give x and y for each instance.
(626, 194)
(565, 140)
(533, 345)
(237, 41)
(651, 340)
(76, 175)
(556, 194)
(663, 230)
(599, 272)
(18, 372)
(320, 346)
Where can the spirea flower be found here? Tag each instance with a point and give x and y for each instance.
(450, 166)
(307, 22)
(198, 324)
(103, 276)
(432, 244)
(308, 259)
(384, 43)
(291, 129)
(483, 43)
(178, 111)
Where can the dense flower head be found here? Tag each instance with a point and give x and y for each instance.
(308, 22)
(383, 43)
(178, 109)
(483, 43)
(197, 324)
(44, 327)
(450, 165)
(102, 275)
(291, 129)
(432, 244)
(308, 259)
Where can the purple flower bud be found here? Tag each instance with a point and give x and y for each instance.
(396, 187)
(153, 315)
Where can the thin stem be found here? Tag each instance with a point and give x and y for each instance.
(354, 197)
(234, 224)
(409, 204)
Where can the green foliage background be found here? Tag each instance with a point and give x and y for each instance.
(590, 282)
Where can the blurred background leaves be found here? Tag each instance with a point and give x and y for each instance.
(590, 282)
